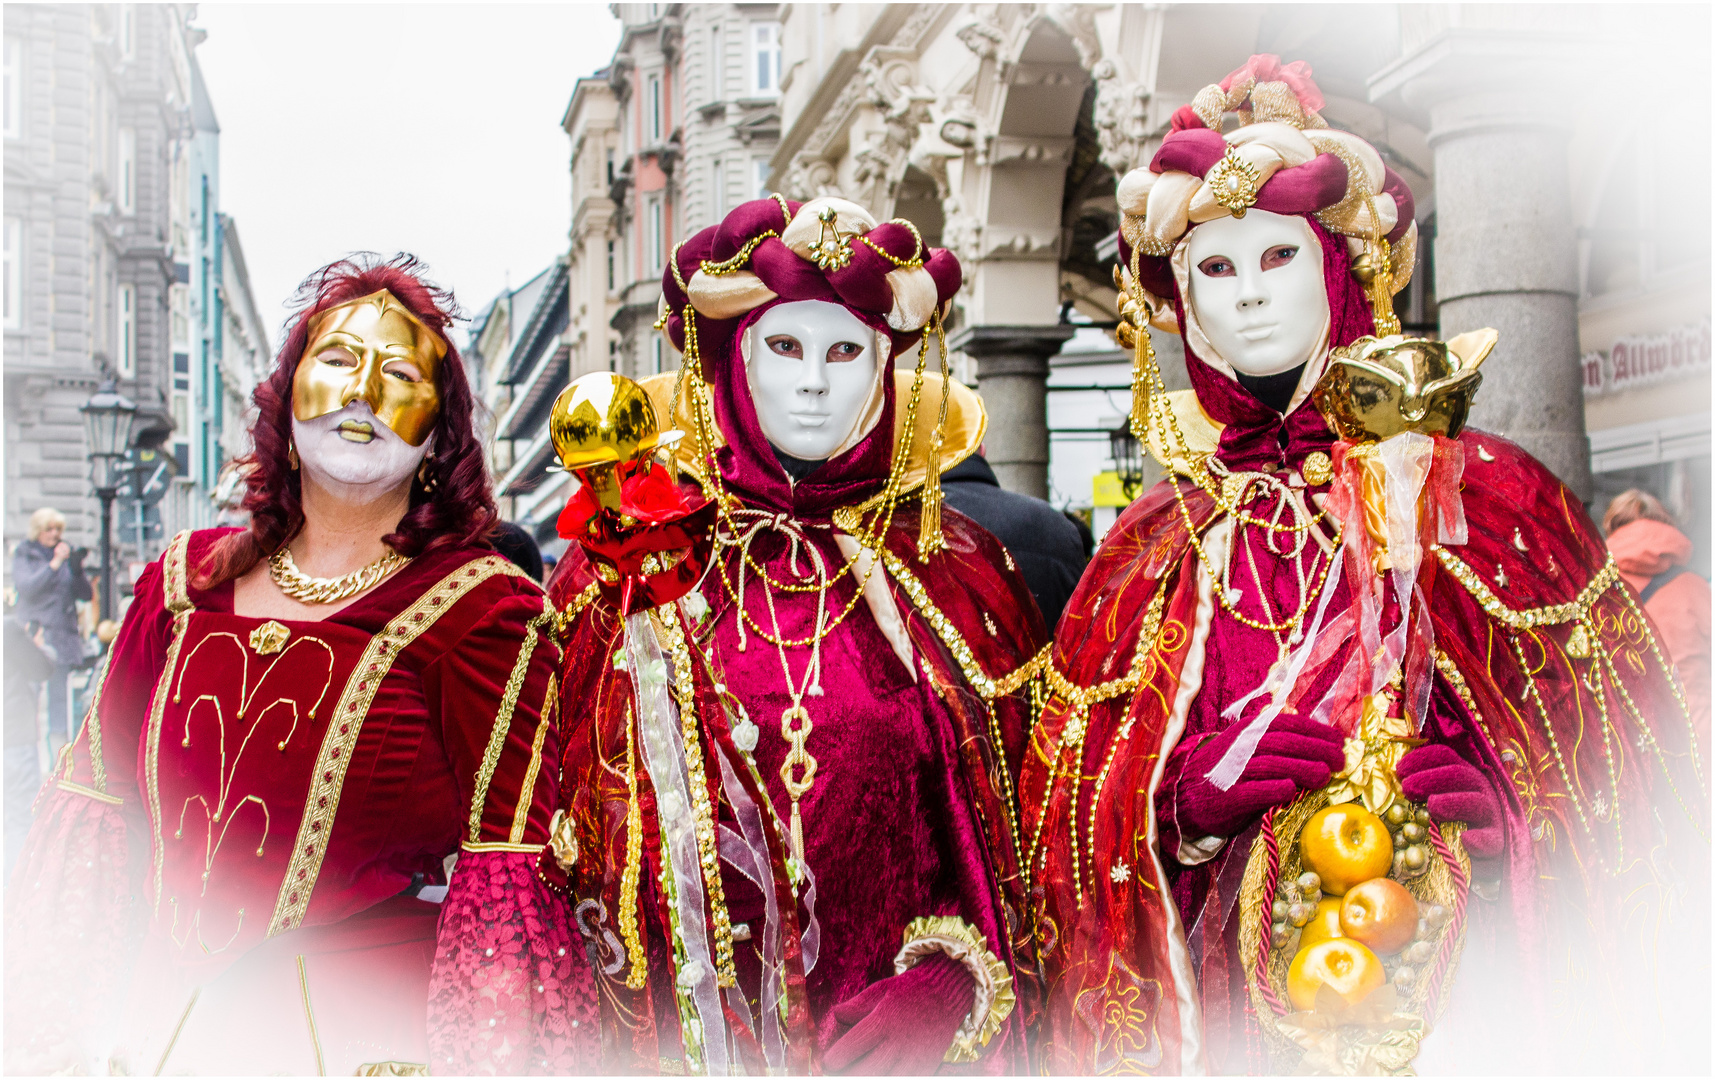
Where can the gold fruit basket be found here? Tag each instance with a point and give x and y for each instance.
(1379, 1035)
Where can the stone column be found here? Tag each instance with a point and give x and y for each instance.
(1012, 377)
(1496, 105)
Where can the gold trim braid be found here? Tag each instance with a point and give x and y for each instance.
(328, 779)
(92, 724)
(79, 789)
(527, 790)
(503, 718)
(177, 598)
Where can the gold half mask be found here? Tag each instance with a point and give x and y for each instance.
(1376, 388)
(372, 350)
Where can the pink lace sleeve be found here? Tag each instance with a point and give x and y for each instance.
(512, 992)
(73, 923)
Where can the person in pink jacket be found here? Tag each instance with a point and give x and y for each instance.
(1651, 554)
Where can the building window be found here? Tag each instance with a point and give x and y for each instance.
(179, 299)
(14, 87)
(717, 188)
(759, 178)
(203, 224)
(611, 259)
(765, 59)
(128, 31)
(14, 273)
(610, 168)
(717, 62)
(126, 174)
(654, 110)
(655, 237)
(126, 346)
(612, 355)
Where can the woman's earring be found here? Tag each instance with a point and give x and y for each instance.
(424, 476)
(292, 455)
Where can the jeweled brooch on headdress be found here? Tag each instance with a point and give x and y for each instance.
(833, 248)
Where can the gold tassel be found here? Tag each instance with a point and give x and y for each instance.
(1133, 330)
(930, 538)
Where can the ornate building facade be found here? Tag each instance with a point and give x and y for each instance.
(679, 128)
(1002, 129)
(115, 268)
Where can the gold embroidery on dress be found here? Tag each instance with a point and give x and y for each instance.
(322, 801)
(228, 770)
(195, 927)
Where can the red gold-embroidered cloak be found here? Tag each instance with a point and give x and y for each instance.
(224, 869)
(1586, 740)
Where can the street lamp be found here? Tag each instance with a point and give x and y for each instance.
(107, 417)
(1127, 453)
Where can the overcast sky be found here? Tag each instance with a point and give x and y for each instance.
(433, 129)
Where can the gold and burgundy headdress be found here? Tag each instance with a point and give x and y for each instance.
(772, 250)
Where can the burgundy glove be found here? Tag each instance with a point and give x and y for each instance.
(1295, 754)
(1454, 790)
(903, 1025)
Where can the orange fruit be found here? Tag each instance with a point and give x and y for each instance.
(1379, 913)
(1347, 967)
(1346, 844)
(1324, 925)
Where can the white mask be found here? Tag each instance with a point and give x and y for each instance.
(811, 367)
(1264, 310)
(334, 451)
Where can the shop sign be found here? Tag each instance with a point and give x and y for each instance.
(1646, 359)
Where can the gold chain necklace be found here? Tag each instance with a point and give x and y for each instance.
(313, 590)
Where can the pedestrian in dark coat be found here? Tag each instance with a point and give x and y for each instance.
(1047, 547)
(48, 576)
(28, 665)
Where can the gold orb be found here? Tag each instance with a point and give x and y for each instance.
(602, 418)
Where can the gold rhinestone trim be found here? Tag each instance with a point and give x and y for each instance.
(1528, 618)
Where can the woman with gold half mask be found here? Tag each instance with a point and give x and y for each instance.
(1340, 597)
(242, 864)
(843, 682)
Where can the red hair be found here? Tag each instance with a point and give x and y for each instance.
(456, 509)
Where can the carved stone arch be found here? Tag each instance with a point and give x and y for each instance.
(1028, 98)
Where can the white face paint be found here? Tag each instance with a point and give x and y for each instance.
(1257, 290)
(811, 369)
(353, 455)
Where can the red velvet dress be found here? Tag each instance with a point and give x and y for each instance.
(1595, 766)
(223, 872)
(911, 812)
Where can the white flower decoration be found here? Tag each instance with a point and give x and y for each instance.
(694, 606)
(744, 735)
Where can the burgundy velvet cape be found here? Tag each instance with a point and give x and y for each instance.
(912, 812)
(1139, 951)
(225, 851)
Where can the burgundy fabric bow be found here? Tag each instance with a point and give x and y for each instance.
(1266, 67)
